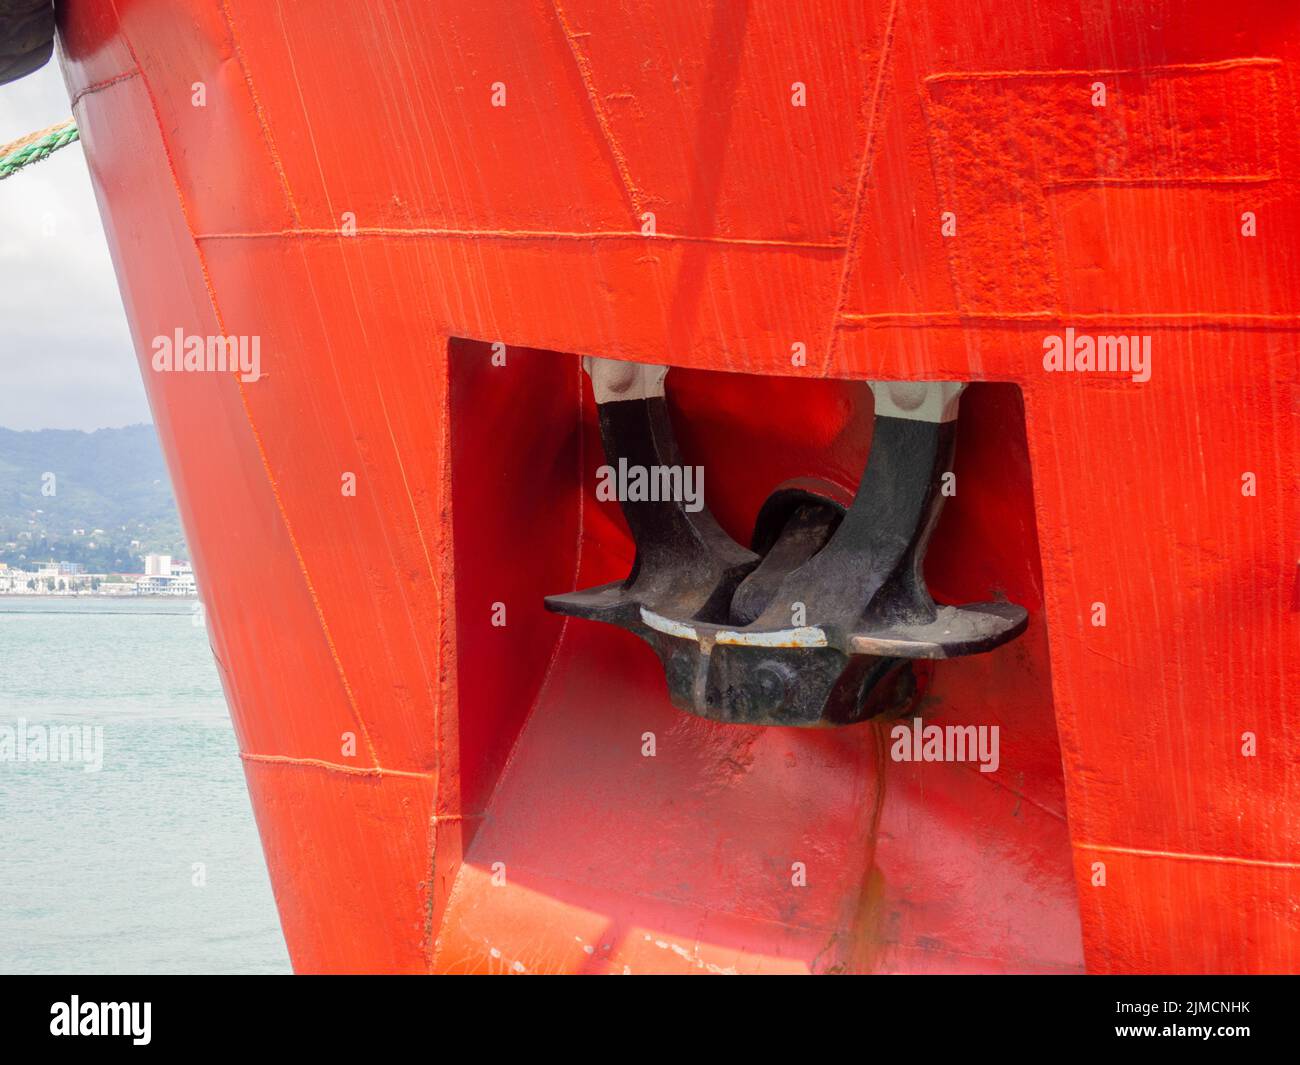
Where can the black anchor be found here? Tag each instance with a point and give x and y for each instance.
(819, 623)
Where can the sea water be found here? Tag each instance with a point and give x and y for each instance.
(150, 862)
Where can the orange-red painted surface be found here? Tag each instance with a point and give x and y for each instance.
(436, 793)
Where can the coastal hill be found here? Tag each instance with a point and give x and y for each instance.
(108, 504)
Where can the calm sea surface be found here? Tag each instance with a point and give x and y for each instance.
(98, 869)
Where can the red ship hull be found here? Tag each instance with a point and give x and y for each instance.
(440, 792)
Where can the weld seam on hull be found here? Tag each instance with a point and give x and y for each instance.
(334, 767)
(1164, 319)
(262, 122)
(860, 189)
(1181, 856)
(524, 235)
(99, 86)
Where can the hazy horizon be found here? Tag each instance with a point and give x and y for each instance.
(63, 429)
(66, 358)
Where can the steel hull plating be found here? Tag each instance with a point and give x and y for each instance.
(782, 202)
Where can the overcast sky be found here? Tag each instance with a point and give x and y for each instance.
(66, 360)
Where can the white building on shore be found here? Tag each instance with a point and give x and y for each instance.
(165, 576)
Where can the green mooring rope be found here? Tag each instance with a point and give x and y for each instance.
(36, 147)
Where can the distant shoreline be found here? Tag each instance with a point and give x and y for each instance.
(89, 595)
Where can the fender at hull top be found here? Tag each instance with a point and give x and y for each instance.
(428, 214)
(26, 37)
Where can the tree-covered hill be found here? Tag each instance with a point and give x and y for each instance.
(58, 487)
